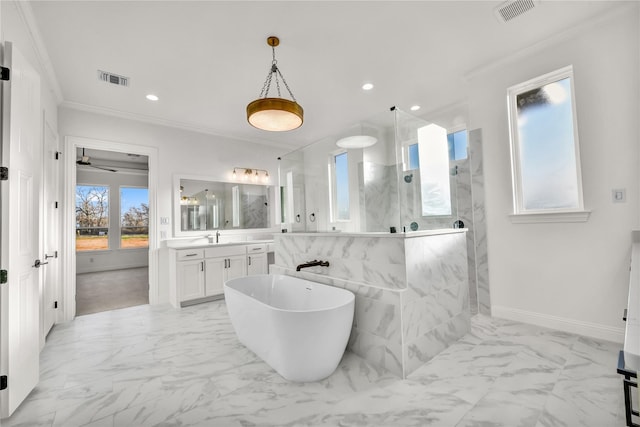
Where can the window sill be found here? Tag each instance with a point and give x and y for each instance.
(548, 217)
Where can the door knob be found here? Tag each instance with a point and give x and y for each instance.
(38, 263)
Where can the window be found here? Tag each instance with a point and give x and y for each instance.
(414, 158)
(134, 218)
(544, 145)
(435, 188)
(457, 145)
(339, 169)
(92, 218)
(457, 142)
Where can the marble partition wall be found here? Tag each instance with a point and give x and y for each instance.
(479, 222)
(412, 295)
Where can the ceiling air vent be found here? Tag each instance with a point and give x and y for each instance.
(115, 79)
(512, 9)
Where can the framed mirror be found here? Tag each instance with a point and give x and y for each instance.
(202, 205)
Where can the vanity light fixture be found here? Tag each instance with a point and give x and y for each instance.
(251, 174)
(274, 114)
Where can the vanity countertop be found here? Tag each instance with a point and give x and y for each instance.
(198, 243)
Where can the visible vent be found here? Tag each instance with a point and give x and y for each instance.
(512, 9)
(115, 79)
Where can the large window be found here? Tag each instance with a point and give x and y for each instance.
(544, 145)
(339, 170)
(92, 217)
(134, 217)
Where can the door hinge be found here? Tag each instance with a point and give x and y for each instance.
(58, 154)
(56, 205)
(3, 382)
(5, 73)
(4, 173)
(3, 276)
(55, 304)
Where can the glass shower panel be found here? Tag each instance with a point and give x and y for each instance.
(427, 186)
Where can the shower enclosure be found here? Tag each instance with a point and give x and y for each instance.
(390, 173)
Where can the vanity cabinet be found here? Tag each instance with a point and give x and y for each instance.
(256, 259)
(190, 273)
(222, 264)
(198, 274)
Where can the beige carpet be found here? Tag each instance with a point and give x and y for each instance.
(110, 290)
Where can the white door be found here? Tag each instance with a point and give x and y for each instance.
(191, 279)
(19, 197)
(236, 266)
(257, 264)
(50, 233)
(214, 277)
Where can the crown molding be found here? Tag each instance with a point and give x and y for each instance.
(537, 47)
(26, 14)
(164, 122)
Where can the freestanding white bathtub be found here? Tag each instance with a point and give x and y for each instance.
(300, 328)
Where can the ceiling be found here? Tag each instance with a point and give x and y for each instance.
(206, 60)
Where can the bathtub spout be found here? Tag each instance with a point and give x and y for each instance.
(313, 263)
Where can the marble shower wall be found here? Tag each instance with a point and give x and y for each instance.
(421, 281)
(479, 222)
(254, 210)
(378, 196)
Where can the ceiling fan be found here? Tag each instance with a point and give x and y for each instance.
(84, 161)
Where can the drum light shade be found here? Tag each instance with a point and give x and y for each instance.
(275, 114)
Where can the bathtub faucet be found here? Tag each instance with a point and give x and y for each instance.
(313, 264)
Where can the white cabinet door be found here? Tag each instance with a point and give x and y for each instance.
(257, 264)
(236, 267)
(191, 279)
(215, 273)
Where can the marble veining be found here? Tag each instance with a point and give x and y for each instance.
(157, 366)
(479, 221)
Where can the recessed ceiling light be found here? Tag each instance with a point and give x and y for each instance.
(367, 86)
(152, 97)
(415, 108)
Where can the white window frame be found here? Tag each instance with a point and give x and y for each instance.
(520, 214)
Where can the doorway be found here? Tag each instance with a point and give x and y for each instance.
(112, 230)
(110, 244)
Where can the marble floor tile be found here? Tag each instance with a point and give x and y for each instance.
(157, 366)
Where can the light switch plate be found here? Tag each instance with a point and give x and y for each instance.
(164, 220)
(619, 195)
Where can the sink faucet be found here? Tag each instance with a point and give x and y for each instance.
(210, 237)
(313, 264)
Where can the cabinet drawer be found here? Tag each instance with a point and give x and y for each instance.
(224, 251)
(185, 255)
(257, 248)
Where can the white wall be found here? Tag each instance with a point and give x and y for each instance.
(14, 30)
(179, 152)
(114, 258)
(572, 276)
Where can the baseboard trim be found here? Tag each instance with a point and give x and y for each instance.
(588, 329)
(100, 268)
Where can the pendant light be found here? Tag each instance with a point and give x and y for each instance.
(274, 114)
